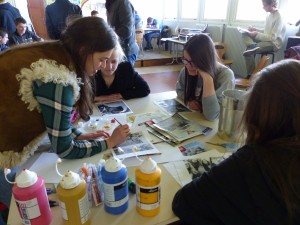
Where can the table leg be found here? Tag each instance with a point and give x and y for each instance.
(174, 55)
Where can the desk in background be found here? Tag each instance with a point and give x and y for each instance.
(292, 41)
(169, 186)
(175, 42)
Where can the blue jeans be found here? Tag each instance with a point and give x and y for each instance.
(148, 37)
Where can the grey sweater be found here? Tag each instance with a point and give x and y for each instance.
(224, 79)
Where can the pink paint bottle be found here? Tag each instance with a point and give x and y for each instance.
(31, 198)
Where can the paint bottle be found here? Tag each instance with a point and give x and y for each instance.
(114, 178)
(147, 178)
(73, 200)
(31, 198)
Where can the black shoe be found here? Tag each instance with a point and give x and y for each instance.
(148, 48)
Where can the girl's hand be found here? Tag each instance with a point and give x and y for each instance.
(94, 135)
(119, 135)
(251, 28)
(203, 74)
(253, 34)
(108, 98)
(194, 105)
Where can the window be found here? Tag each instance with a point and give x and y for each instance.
(170, 9)
(250, 10)
(153, 8)
(215, 9)
(189, 9)
(291, 11)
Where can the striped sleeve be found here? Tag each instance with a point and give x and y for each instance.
(56, 102)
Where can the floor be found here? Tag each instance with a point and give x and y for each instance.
(159, 78)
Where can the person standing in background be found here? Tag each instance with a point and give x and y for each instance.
(8, 14)
(22, 34)
(120, 16)
(138, 20)
(56, 15)
(269, 39)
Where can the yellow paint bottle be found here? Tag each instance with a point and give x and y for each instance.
(73, 200)
(147, 177)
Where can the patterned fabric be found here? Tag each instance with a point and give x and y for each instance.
(56, 102)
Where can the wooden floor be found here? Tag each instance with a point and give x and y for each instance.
(161, 81)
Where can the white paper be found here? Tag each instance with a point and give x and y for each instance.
(137, 144)
(182, 175)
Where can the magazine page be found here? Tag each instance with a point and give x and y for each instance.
(140, 119)
(137, 144)
(113, 108)
(171, 106)
(180, 128)
(243, 30)
(185, 171)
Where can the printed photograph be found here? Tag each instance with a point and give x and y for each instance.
(171, 106)
(196, 167)
(113, 108)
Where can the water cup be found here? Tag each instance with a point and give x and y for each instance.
(232, 110)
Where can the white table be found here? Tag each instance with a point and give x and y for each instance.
(168, 186)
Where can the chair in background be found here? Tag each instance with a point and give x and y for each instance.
(221, 49)
(272, 53)
(139, 36)
(245, 83)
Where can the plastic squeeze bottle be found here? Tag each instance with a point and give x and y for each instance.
(31, 198)
(73, 200)
(147, 178)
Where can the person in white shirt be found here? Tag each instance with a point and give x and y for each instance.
(269, 39)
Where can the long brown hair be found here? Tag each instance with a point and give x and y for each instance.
(272, 123)
(203, 55)
(83, 37)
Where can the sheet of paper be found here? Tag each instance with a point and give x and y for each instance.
(45, 166)
(137, 144)
(184, 171)
(171, 106)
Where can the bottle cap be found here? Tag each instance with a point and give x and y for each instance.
(70, 180)
(148, 165)
(113, 164)
(26, 178)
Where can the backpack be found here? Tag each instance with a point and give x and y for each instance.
(292, 53)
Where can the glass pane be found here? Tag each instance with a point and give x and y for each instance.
(215, 9)
(189, 9)
(170, 10)
(291, 11)
(147, 9)
(250, 11)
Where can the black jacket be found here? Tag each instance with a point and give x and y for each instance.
(236, 192)
(56, 15)
(121, 17)
(8, 14)
(127, 82)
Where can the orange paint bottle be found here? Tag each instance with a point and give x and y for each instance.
(73, 200)
(147, 177)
